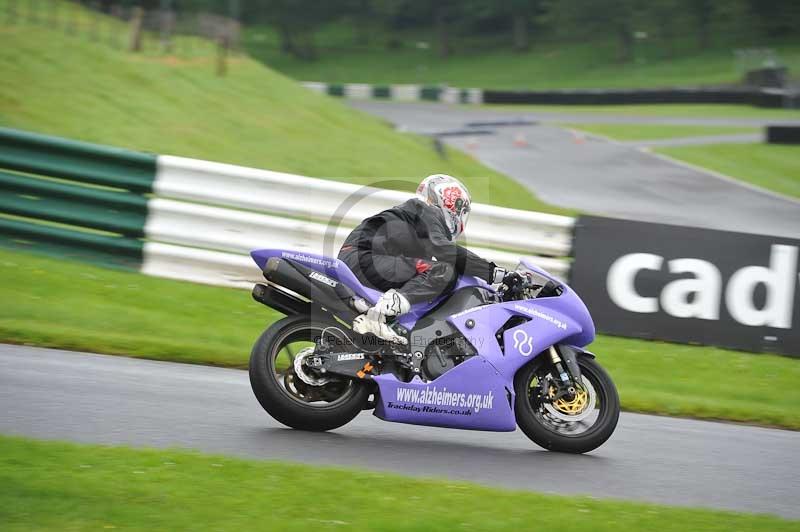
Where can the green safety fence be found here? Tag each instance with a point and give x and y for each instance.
(430, 93)
(70, 159)
(64, 242)
(41, 199)
(56, 196)
(335, 90)
(381, 91)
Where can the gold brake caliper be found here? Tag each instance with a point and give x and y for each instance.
(575, 405)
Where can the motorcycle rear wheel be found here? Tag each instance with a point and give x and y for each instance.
(556, 427)
(285, 396)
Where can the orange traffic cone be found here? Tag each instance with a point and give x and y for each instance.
(520, 141)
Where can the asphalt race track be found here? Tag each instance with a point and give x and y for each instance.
(600, 177)
(62, 395)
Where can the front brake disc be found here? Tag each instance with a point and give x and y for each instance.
(579, 408)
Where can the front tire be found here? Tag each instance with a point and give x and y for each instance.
(276, 385)
(553, 429)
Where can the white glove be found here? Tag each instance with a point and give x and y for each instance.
(391, 303)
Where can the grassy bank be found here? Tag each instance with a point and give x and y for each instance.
(625, 132)
(70, 85)
(769, 166)
(486, 63)
(94, 488)
(72, 305)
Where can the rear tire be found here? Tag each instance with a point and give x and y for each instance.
(531, 422)
(278, 401)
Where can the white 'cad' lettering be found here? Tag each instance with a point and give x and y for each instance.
(621, 277)
(705, 287)
(700, 296)
(779, 279)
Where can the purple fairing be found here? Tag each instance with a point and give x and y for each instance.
(470, 396)
(333, 268)
(528, 263)
(478, 393)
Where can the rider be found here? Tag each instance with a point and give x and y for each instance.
(409, 251)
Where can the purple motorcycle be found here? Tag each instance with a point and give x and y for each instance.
(477, 358)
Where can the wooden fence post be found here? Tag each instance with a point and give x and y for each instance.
(223, 43)
(135, 44)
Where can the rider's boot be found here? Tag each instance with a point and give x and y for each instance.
(390, 304)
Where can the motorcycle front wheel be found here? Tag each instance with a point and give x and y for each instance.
(573, 424)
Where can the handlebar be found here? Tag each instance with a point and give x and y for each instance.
(527, 288)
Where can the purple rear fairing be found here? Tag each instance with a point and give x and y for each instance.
(478, 393)
(333, 268)
(338, 270)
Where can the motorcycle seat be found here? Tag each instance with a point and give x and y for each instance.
(342, 273)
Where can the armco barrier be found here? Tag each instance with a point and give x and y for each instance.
(68, 159)
(49, 180)
(99, 248)
(230, 231)
(401, 93)
(744, 96)
(529, 233)
(197, 220)
(762, 97)
(54, 201)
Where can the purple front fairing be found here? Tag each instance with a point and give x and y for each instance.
(550, 321)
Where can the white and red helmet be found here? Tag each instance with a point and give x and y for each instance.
(449, 195)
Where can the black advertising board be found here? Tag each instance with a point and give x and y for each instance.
(689, 285)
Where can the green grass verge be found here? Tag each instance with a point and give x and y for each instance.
(60, 486)
(60, 303)
(71, 305)
(770, 166)
(656, 131)
(702, 382)
(659, 111)
(486, 63)
(67, 84)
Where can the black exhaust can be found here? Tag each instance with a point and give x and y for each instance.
(321, 290)
(280, 300)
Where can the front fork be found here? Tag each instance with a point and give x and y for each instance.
(568, 372)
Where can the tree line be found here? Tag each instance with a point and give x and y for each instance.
(515, 24)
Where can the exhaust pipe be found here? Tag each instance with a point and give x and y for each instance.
(280, 300)
(321, 290)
